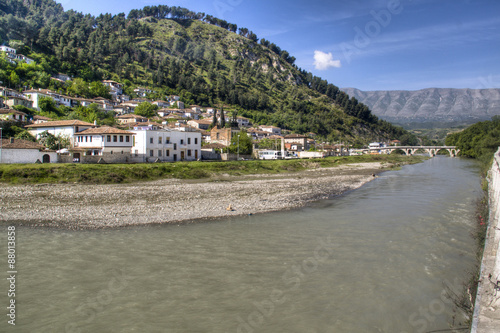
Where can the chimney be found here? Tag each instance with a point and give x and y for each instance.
(95, 123)
(11, 140)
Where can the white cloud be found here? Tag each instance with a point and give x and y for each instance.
(323, 61)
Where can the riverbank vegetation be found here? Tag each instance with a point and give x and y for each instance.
(479, 141)
(128, 173)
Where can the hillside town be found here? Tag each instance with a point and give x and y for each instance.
(175, 133)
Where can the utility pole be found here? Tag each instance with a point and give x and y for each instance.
(238, 154)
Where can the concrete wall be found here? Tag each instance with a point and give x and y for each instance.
(487, 309)
(25, 156)
(210, 154)
(116, 157)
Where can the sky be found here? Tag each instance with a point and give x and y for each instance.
(364, 44)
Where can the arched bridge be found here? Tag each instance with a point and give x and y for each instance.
(410, 150)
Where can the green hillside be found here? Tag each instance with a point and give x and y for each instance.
(172, 50)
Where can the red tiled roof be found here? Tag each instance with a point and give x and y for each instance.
(61, 123)
(12, 111)
(103, 130)
(20, 144)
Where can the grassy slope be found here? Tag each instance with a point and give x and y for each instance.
(127, 173)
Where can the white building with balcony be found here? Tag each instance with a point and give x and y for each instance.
(101, 145)
(152, 144)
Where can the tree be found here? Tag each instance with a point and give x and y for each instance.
(146, 109)
(25, 135)
(47, 105)
(53, 142)
(222, 118)
(243, 141)
(98, 89)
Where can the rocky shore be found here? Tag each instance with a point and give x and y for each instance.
(77, 206)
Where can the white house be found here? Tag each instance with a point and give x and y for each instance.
(36, 95)
(177, 104)
(141, 91)
(131, 118)
(6, 92)
(101, 141)
(152, 144)
(64, 128)
(161, 104)
(23, 151)
(13, 115)
(203, 124)
(15, 100)
(12, 54)
(243, 122)
(271, 129)
(115, 88)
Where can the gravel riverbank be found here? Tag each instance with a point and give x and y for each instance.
(79, 206)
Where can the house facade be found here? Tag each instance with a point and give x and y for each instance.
(64, 128)
(23, 151)
(152, 144)
(13, 115)
(105, 144)
(36, 95)
(15, 100)
(202, 124)
(115, 88)
(273, 130)
(12, 55)
(298, 139)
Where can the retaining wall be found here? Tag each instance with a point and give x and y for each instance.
(487, 309)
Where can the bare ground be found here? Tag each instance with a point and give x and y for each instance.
(79, 206)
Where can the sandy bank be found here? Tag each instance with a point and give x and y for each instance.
(172, 201)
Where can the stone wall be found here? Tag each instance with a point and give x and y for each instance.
(487, 308)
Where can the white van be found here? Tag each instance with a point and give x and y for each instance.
(270, 155)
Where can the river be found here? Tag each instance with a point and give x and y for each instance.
(377, 259)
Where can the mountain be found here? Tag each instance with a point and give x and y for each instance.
(431, 105)
(171, 50)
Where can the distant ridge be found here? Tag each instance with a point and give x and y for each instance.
(432, 104)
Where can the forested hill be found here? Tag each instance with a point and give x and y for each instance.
(205, 60)
(431, 105)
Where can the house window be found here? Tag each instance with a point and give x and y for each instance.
(167, 140)
(175, 146)
(150, 140)
(182, 141)
(109, 138)
(127, 138)
(189, 152)
(159, 140)
(121, 138)
(90, 138)
(115, 138)
(151, 153)
(167, 153)
(159, 153)
(189, 141)
(195, 141)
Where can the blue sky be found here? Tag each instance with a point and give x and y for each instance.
(365, 44)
